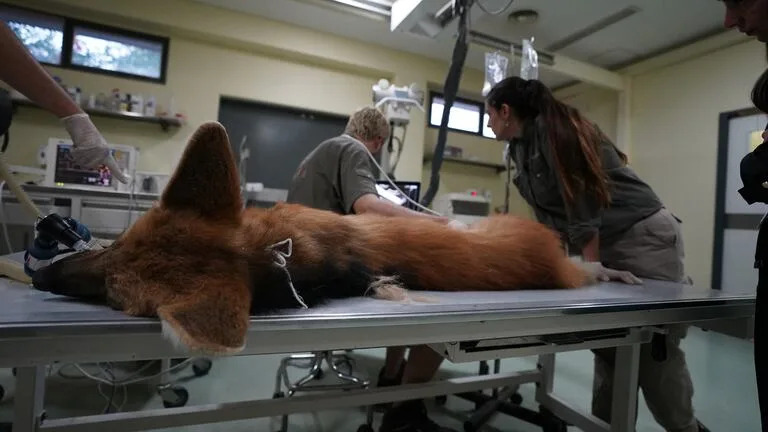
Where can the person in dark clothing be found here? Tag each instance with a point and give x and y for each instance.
(751, 17)
(579, 184)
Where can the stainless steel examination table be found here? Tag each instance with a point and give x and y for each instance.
(38, 329)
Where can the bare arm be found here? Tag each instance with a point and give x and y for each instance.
(22, 72)
(591, 250)
(370, 203)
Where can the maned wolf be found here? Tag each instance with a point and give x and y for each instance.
(203, 264)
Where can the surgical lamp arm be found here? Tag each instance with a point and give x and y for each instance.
(396, 99)
(450, 89)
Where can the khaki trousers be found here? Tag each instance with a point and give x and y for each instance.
(652, 248)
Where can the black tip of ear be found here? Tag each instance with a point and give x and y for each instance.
(206, 180)
(210, 132)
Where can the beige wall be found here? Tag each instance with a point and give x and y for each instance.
(198, 75)
(674, 136)
(254, 58)
(459, 177)
(673, 127)
(237, 55)
(600, 105)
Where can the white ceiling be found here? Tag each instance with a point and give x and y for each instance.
(657, 26)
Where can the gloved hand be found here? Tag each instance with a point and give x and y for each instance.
(602, 273)
(90, 149)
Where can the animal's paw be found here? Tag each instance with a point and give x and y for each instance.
(390, 288)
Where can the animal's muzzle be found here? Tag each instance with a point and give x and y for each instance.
(78, 275)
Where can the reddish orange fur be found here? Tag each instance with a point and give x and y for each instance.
(501, 253)
(197, 258)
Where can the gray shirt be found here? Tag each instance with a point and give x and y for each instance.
(333, 176)
(631, 199)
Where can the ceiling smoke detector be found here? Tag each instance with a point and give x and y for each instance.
(524, 16)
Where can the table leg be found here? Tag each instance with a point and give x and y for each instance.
(624, 411)
(29, 397)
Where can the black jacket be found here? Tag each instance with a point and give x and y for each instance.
(754, 175)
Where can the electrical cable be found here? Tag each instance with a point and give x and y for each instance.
(399, 150)
(389, 180)
(108, 370)
(24, 199)
(134, 381)
(3, 219)
(105, 376)
(508, 184)
(480, 5)
(131, 199)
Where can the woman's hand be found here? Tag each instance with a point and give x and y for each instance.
(89, 147)
(604, 274)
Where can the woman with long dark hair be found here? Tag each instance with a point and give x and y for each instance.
(579, 184)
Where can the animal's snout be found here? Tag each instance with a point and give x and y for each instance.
(43, 279)
(78, 275)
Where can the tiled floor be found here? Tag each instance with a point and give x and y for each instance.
(721, 366)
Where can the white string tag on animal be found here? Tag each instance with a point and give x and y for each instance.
(280, 260)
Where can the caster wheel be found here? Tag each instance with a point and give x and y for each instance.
(201, 367)
(175, 397)
(365, 428)
(552, 423)
(516, 399)
(2, 392)
(278, 395)
(441, 400)
(556, 427)
(320, 374)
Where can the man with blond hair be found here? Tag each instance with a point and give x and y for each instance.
(338, 176)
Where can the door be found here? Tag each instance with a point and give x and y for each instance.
(736, 222)
(278, 138)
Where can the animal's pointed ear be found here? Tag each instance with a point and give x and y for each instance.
(208, 321)
(206, 180)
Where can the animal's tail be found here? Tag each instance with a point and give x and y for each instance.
(536, 250)
(571, 275)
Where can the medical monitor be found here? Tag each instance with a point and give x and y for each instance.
(62, 170)
(397, 196)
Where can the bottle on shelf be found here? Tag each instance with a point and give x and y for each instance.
(125, 103)
(115, 103)
(149, 107)
(137, 104)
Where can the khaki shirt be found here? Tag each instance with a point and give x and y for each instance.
(539, 184)
(333, 176)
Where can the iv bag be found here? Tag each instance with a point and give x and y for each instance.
(529, 64)
(495, 70)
